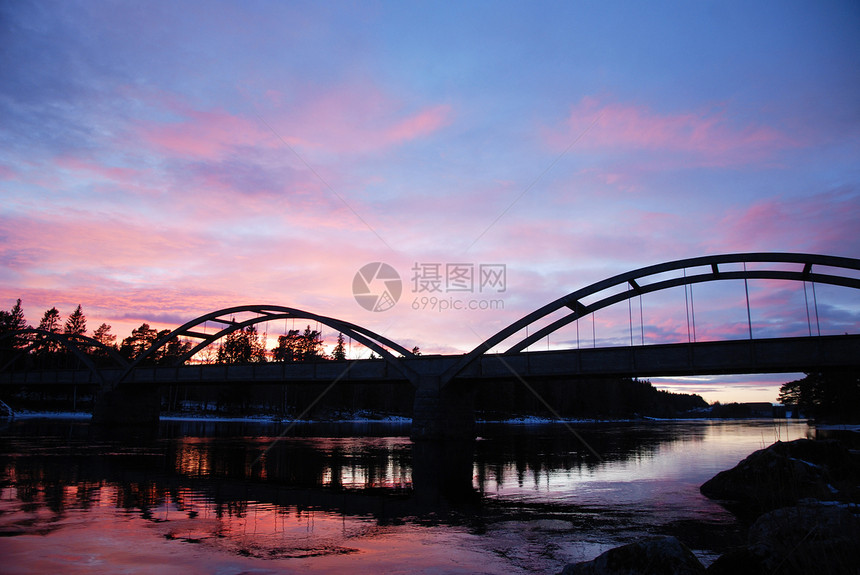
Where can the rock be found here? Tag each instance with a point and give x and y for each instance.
(809, 538)
(785, 473)
(740, 561)
(655, 556)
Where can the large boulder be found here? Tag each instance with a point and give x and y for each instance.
(808, 538)
(739, 561)
(812, 537)
(785, 473)
(655, 556)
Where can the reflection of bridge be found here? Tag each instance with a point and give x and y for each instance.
(442, 406)
(385, 480)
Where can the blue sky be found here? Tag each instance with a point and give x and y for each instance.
(162, 160)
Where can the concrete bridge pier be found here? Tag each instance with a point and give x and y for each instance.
(443, 412)
(126, 410)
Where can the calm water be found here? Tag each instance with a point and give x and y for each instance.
(229, 498)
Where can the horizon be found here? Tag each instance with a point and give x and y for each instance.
(712, 388)
(163, 161)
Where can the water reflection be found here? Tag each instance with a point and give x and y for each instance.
(321, 492)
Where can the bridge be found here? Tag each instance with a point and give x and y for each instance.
(444, 385)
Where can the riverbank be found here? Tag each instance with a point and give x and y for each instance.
(370, 417)
(800, 500)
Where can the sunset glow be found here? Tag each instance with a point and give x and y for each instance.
(160, 161)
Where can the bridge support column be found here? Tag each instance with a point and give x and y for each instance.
(125, 409)
(443, 412)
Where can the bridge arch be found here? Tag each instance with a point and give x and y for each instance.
(378, 343)
(69, 341)
(635, 281)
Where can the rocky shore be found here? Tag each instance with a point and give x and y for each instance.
(802, 500)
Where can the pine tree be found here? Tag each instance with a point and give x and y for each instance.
(51, 321)
(16, 317)
(77, 323)
(339, 351)
(12, 321)
(49, 348)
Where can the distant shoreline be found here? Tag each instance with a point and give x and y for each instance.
(400, 420)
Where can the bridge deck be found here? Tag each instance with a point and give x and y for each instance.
(782, 355)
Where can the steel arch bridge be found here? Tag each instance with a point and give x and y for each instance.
(265, 313)
(445, 411)
(72, 342)
(815, 269)
(794, 267)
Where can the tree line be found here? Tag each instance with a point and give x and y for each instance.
(45, 352)
(245, 345)
(831, 395)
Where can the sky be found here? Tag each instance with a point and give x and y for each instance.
(163, 160)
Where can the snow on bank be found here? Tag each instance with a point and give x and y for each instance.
(278, 419)
(52, 415)
(838, 427)
(372, 418)
(190, 417)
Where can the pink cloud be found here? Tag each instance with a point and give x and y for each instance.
(99, 170)
(207, 134)
(424, 122)
(78, 240)
(7, 172)
(706, 138)
(820, 223)
(347, 119)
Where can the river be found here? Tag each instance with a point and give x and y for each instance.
(264, 498)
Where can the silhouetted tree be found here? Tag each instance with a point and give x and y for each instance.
(311, 345)
(51, 321)
(13, 320)
(10, 322)
(76, 324)
(106, 338)
(289, 348)
(833, 394)
(296, 346)
(48, 349)
(242, 346)
(339, 351)
(170, 352)
(139, 341)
